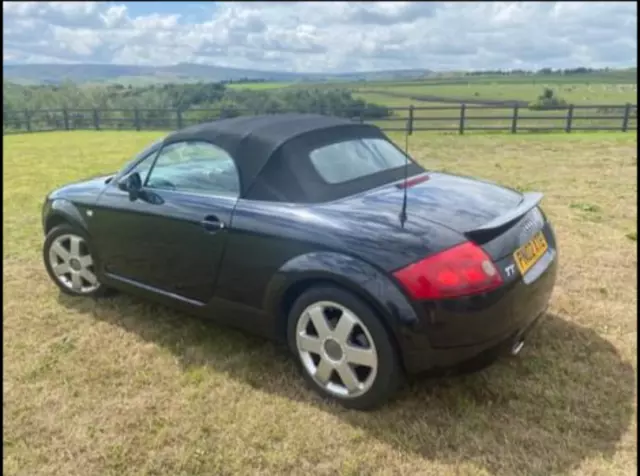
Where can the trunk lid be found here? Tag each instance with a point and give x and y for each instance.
(458, 203)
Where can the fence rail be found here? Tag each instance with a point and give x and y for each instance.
(460, 119)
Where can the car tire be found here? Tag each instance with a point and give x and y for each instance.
(342, 348)
(70, 263)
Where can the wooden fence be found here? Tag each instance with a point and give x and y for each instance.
(459, 119)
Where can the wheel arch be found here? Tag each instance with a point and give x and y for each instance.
(333, 269)
(60, 212)
(299, 287)
(55, 220)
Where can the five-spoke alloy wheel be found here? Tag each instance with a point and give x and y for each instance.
(344, 350)
(336, 349)
(69, 262)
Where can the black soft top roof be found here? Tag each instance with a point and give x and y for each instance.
(253, 140)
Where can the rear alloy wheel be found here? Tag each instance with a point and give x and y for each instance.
(344, 351)
(69, 262)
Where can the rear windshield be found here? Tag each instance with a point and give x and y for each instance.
(355, 158)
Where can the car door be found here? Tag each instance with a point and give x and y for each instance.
(172, 237)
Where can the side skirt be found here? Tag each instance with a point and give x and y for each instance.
(252, 320)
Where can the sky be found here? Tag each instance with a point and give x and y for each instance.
(325, 36)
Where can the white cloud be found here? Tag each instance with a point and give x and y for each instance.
(336, 36)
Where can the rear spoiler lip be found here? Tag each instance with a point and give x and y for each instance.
(529, 201)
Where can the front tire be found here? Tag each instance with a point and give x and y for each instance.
(70, 262)
(342, 348)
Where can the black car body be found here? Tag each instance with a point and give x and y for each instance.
(242, 235)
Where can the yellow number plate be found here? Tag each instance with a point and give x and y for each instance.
(527, 255)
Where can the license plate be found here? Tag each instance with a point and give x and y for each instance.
(527, 255)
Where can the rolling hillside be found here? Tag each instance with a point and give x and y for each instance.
(179, 73)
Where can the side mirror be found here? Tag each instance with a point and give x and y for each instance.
(132, 183)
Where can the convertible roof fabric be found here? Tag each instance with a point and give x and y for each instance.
(279, 145)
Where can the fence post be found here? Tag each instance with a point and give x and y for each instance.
(179, 118)
(96, 120)
(625, 119)
(136, 119)
(65, 117)
(462, 109)
(567, 128)
(514, 121)
(27, 119)
(410, 121)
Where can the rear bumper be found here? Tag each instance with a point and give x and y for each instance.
(456, 331)
(454, 357)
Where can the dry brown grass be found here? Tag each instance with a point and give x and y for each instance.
(124, 387)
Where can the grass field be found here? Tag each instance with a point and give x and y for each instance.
(616, 87)
(577, 93)
(120, 386)
(431, 93)
(612, 89)
(260, 86)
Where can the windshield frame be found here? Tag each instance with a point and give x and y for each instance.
(152, 148)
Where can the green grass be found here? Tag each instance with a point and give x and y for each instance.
(260, 86)
(120, 386)
(502, 89)
(577, 93)
(616, 87)
(388, 101)
(612, 77)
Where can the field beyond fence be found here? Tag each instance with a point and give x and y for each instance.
(451, 118)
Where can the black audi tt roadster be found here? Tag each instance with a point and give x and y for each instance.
(318, 232)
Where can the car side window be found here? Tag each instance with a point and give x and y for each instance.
(194, 166)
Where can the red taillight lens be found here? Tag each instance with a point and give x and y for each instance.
(459, 271)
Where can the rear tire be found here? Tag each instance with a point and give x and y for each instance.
(70, 262)
(343, 350)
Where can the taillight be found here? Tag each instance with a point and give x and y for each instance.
(459, 271)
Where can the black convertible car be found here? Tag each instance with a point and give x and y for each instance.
(318, 232)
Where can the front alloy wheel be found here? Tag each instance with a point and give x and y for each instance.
(69, 262)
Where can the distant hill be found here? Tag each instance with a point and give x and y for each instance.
(182, 72)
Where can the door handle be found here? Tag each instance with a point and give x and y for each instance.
(212, 223)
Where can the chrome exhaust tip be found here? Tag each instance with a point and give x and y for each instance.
(517, 347)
